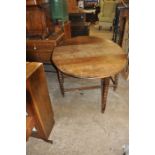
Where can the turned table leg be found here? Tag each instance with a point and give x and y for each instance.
(116, 82)
(104, 92)
(61, 82)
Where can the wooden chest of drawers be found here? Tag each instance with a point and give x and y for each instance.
(41, 50)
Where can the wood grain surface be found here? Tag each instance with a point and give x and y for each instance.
(38, 103)
(89, 57)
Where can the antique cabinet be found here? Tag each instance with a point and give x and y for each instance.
(38, 19)
(40, 31)
(40, 50)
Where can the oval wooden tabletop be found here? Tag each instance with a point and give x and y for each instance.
(89, 57)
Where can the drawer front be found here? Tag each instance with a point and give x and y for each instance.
(39, 55)
(44, 56)
(40, 50)
(39, 45)
(32, 56)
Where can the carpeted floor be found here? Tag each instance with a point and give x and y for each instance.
(80, 128)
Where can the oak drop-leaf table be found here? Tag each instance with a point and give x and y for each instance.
(89, 58)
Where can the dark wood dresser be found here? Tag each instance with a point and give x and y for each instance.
(40, 50)
(41, 37)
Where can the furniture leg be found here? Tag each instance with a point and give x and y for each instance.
(99, 27)
(48, 141)
(110, 29)
(104, 92)
(116, 82)
(61, 81)
(43, 138)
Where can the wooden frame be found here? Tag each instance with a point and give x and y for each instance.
(38, 104)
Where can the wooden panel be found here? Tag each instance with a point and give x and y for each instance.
(40, 50)
(37, 95)
(44, 56)
(40, 44)
(72, 5)
(29, 126)
(38, 21)
(124, 15)
(35, 22)
(52, 40)
(57, 39)
(35, 2)
(67, 30)
(39, 56)
(32, 55)
(125, 39)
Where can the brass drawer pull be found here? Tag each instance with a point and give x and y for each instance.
(34, 47)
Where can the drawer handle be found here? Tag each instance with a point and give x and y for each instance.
(35, 48)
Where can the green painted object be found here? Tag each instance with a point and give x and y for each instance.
(59, 10)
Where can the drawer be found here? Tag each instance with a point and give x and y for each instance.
(48, 44)
(41, 50)
(39, 55)
(32, 56)
(44, 56)
(39, 45)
